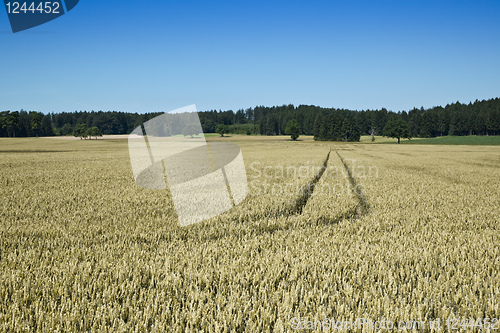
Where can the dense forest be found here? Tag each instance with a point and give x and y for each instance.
(478, 118)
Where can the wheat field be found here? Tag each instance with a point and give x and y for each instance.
(329, 230)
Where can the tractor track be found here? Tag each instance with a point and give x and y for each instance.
(363, 207)
(295, 209)
(307, 190)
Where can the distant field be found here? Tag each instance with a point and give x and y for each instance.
(492, 140)
(394, 232)
(378, 139)
(258, 138)
(445, 140)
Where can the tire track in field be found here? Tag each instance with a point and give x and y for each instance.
(256, 228)
(296, 206)
(363, 206)
(307, 190)
(361, 209)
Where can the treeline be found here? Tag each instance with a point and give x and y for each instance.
(111, 122)
(478, 118)
(24, 124)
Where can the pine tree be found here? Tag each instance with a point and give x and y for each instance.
(317, 126)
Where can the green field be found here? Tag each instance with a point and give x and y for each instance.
(391, 232)
(444, 140)
(493, 140)
(458, 140)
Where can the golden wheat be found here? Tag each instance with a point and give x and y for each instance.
(82, 248)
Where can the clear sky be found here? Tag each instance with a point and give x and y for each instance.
(144, 56)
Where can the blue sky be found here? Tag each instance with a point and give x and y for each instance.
(143, 56)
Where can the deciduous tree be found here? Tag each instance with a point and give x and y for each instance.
(221, 129)
(397, 129)
(293, 129)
